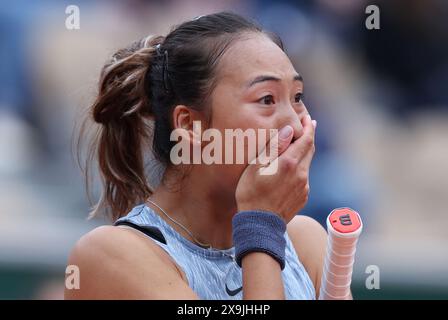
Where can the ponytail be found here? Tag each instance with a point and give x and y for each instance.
(122, 108)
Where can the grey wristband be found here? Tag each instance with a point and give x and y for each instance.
(259, 231)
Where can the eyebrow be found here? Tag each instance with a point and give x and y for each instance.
(264, 78)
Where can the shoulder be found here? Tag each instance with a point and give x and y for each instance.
(120, 263)
(309, 239)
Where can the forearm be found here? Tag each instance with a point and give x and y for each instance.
(262, 278)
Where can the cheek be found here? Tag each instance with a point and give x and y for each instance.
(249, 117)
(245, 117)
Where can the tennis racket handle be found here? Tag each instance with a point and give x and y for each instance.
(344, 226)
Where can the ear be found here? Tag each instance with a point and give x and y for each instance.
(190, 121)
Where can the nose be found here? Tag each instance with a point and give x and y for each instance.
(298, 127)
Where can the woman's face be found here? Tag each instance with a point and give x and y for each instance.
(257, 88)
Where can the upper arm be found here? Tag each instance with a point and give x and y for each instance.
(115, 263)
(310, 241)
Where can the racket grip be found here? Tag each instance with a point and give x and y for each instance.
(344, 226)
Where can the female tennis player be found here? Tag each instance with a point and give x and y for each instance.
(206, 231)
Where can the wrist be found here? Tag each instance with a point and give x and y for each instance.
(259, 231)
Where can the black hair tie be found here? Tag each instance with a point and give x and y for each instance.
(164, 67)
(165, 70)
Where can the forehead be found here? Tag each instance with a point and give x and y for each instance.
(252, 55)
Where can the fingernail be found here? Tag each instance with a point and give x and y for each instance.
(285, 132)
(309, 116)
(314, 123)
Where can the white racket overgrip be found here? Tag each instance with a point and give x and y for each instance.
(344, 226)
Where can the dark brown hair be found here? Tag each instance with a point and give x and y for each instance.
(138, 90)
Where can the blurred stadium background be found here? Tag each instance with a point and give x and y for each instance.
(380, 98)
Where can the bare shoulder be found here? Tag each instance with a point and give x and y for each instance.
(119, 263)
(309, 239)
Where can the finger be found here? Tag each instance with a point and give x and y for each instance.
(276, 145)
(308, 157)
(305, 162)
(300, 147)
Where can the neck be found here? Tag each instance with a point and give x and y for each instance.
(202, 207)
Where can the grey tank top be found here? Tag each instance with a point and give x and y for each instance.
(213, 274)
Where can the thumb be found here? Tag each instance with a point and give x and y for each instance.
(284, 139)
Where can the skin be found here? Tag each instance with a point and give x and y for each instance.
(113, 260)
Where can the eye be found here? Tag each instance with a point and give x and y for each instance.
(299, 97)
(268, 100)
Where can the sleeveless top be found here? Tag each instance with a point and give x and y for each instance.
(213, 274)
